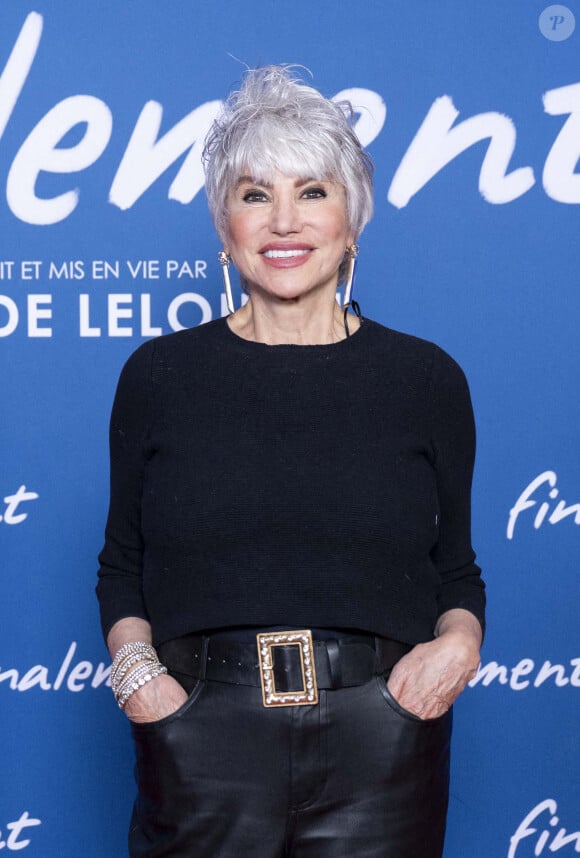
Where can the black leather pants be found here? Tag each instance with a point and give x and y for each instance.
(355, 776)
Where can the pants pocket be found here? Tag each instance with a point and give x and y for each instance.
(162, 755)
(400, 710)
(153, 726)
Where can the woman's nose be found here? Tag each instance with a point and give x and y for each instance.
(285, 217)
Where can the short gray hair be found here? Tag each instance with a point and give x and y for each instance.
(275, 122)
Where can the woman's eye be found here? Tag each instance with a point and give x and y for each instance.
(254, 197)
(314, 193)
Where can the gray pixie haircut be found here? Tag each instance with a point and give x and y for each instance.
(275, 122)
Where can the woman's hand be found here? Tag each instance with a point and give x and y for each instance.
(155, 700)
(158, 698)
(429, 679)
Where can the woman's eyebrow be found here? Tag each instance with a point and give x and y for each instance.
(251, 180)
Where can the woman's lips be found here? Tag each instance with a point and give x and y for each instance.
(285, 257)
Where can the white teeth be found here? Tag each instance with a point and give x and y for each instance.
(284, 254)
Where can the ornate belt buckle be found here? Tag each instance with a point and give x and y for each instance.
(308, 694)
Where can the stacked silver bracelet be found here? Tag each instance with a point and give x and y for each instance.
(134, 665)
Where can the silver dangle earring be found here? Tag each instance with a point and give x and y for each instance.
(352, 253)
(224, 261)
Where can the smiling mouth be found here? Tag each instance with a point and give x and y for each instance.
(284, 254)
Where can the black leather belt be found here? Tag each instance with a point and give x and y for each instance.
(289, 666)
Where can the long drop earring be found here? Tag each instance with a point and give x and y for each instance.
(224, 261)
(352, 252)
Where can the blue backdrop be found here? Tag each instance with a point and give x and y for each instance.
(471, 112)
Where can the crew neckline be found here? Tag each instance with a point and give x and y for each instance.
(253, 344)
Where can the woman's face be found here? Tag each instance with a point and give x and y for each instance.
(287, 239)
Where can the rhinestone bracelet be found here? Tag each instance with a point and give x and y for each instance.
(134, 675)
(131, 648)
(137, 679)
(121, 669)
(135, 672)
(131, 653)
(142, 681)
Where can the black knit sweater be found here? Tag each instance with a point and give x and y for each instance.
(314, 486)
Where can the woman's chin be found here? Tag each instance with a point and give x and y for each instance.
(290, 293)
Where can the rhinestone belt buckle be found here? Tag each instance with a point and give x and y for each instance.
(308, 694)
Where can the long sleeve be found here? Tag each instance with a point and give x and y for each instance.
(453, 442)
(119, 589)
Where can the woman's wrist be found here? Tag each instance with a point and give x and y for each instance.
(134, 665)
(461, 623)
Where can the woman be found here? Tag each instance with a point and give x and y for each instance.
(287, 586)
